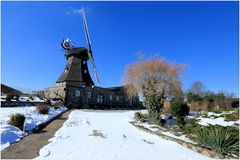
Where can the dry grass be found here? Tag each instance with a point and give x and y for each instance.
(43, 108)
(148, 142)
(98, 133)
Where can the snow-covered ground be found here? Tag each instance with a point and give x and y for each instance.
(204, 121)
(25, 99)
(109, 135)
(217, 121)
(34, 99)
(11, 134)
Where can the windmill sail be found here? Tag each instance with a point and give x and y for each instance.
(90, 54)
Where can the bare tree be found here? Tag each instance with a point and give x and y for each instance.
(157, 79)
(197, 88)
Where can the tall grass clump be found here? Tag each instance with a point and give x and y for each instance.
(223, 140)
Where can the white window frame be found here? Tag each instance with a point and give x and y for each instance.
(100, 98)
(89, 94)
(110, 97)
(77, 93)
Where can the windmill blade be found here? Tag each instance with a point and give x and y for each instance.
(86, 30)
(90, 55)
(94, 67)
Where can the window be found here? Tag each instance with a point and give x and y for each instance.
(77, 93)
(117, 98)
(66, 70)
(110, 97)
(89, 95)
(100, 99)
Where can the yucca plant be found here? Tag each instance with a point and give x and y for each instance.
(224, 140)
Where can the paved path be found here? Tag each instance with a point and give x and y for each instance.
(29, 146)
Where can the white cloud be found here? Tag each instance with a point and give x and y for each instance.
(76, 11)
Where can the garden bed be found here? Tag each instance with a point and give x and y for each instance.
(214, 128)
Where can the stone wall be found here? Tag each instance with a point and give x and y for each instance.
(57, 92)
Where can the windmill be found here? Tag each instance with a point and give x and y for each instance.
(90, 53)
(76, 72)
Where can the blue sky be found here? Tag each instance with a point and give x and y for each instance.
(203, 35)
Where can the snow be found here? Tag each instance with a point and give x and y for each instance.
(109, 135)
(11, 134)
(217, 121)
(28, 99)
(219, 114)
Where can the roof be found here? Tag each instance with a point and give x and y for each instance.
(9, 90)
(115, 88)
(80, 52)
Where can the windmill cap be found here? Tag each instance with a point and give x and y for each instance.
(79, 52)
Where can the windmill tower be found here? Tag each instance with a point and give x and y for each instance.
(76, 72)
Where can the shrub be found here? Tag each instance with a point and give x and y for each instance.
(191, 126)
(17, 120)
(154, 104)
(57, 105)
(232, 117)
(179, 109)
(140, 117)
(137, 115)
(224, 140)
(43, 109)
(48, 102)
(216, 111)
(214, 116)
(162, 122)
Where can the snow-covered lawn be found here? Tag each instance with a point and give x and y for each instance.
(108, 135)
(11, 134)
